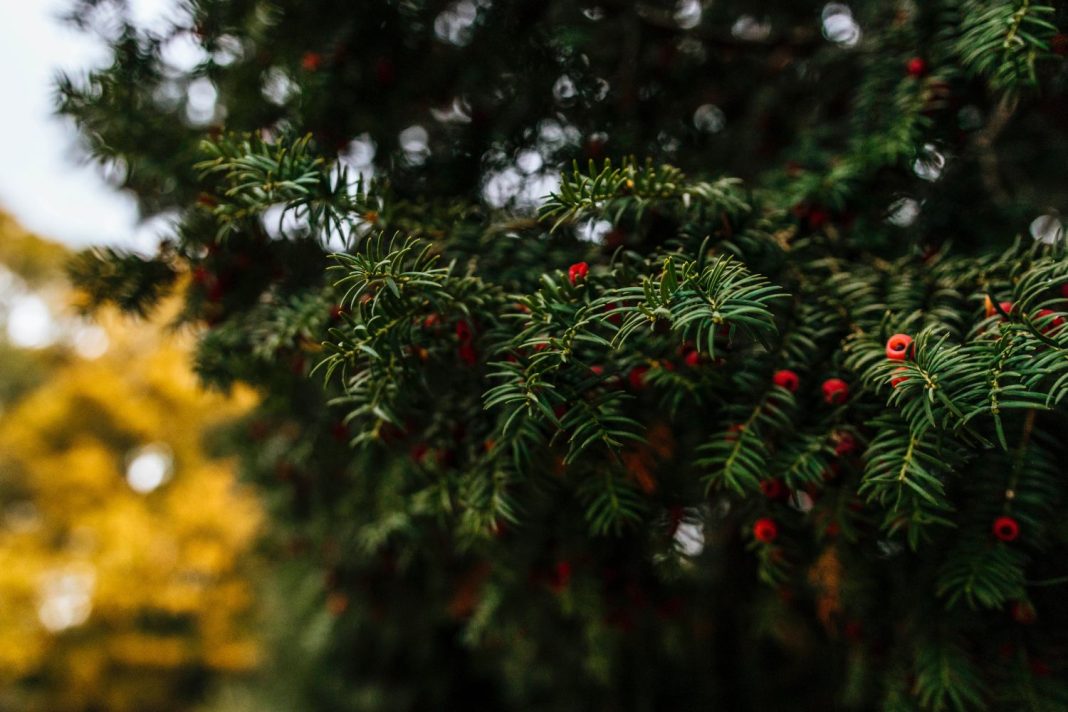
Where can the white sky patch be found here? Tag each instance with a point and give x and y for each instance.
(41, 184)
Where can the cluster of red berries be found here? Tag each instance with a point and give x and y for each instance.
(1050, 318)
(835, 390)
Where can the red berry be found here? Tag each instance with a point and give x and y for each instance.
(787, 379)
(561, 576)
(1050, 323)
(916, 67)
(773, 489)
(853, 631)
(216, 291)
(311, 61)
(418, 452)
(577, 271)
(336, 311)
(765, 530)
(732, 432)
(431, 321)
(845, 445)
(1006, 528)
(468, 354)
(692, 358)
(1064, 290)
(1023, 612)
(897, 380)
(899, 347)
(597, 370)
(835, 391)
(636, 377)
(1059, 44)
(463, 330)
(1005, 307)
(340, 431)
(817, 218)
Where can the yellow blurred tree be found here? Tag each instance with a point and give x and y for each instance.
(125, 550)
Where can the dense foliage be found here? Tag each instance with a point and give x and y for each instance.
(769, 419)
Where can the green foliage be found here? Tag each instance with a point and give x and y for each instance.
(536, 485)
(131, 282)
(1003, 41)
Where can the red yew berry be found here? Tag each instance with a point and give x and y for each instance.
(561, 576)
(468, 354)
(431, 320)
(897, 380)
(1064, 290)
(418, 452)
(916, 67)
(835, 391)
(1005, 307)
(1059, 44)
(578, 271)
(1006, 528)
(853, 631)
(463, 330)
(311, 61)
(817, 218)
(1023, 612)
(692, 358)
(845, 444)
(636, 377)
(1049, 323)
(899, 347)
(216, 291)
(787, 379)
(336, 311)
(765, 530)
(773, 489)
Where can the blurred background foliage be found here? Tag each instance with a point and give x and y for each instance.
(126, 560)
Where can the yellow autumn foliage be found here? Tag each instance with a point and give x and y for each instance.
(113, 598)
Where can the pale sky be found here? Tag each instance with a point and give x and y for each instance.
(41, 182)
